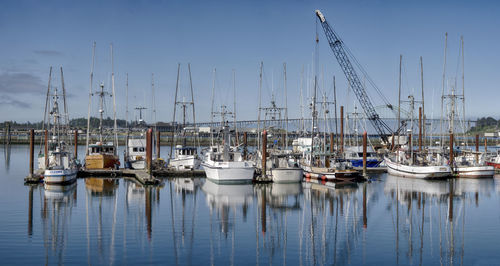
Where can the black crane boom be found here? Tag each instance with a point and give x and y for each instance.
(337, 47)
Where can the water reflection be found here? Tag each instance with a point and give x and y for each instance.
(433, 213)
(6, 155)
(391, 220)
(58, 204)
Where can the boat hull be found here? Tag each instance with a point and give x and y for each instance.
(414, 171)
(369, 163)
(495, 165)
(189, 163)
(227, 173)
(101, 161)
(329, 174)
(287, 175)
(59, 177)
(475, 171)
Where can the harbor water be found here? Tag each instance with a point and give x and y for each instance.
(185, 221)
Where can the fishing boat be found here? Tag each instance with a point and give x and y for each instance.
(183, 157)
(400, 165)
(61, 166)
(225, 164)
(103, 153)
(354, 154)
(136, 153)
(467, 163)
(280, 165)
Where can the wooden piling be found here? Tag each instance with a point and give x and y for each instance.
(451, 150)
(32, 151)
(158, 137)
(46, 149)
(410, 145)
(341, 148)
(264, 153)
(7, 134)
(149, 152)
(76, 143)
(485, 144)
(364, 153)
(420, 129)
(244, 145)
(477, 147)
(331, 143)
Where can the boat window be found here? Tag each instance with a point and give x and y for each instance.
(141, 149)
(135, 149)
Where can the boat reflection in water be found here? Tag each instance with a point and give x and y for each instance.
(433, 212)
(57, 210)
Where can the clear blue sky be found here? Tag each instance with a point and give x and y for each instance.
(153, 36)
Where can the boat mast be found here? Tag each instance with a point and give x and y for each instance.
(212, 111)
(115, 127)
(286, 107)
(234, 109)
(47, 104)
(463, 87)
(66, 115)
(90, 100)
(126, 103)
(302, 126)
(172, 143)
(192, 102)
(399, 99)
(423, 109)
(442, 90)
(260, 103)
(335, 104)
(101, 110)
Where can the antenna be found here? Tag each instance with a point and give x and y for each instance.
(90, 100)
(115, 129)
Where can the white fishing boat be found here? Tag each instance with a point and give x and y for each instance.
(473, 166)
(185, 158)
(224, 164)
(136, 153)
(61, 167)
(399, 165)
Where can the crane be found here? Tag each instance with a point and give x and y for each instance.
(339, 51)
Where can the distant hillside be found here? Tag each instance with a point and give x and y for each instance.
(485, 124)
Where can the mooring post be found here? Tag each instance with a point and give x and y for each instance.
(149, 151)
(76, 144)
(158, 137)
(451, 151)
(264, 153)
(7, 133)
(244, 145)
(365, 136)
(341, 148)
(485, 144)
(477, 147)
(46, 150)
(420, 129)
(410, 146)
(32, 151)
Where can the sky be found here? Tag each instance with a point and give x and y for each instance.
(153, 37)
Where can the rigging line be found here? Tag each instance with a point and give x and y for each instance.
(364, 73)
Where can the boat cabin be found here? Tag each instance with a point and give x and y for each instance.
(100, 148)
(185, 151)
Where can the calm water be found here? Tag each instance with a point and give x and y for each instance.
(390, 220)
